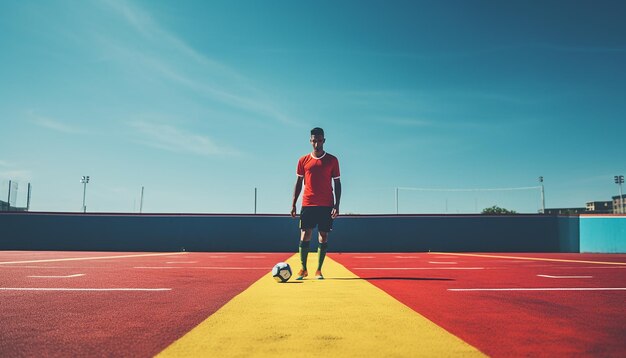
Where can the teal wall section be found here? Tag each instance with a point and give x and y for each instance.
(603, 234)
(568, 228)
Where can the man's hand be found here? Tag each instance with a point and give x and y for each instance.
(293, 211)
(335, 212)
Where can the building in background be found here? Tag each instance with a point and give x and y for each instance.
(565, 211)
(600, 207)
(618, 204)
(594, 207)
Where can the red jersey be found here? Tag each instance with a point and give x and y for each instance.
(318, 174)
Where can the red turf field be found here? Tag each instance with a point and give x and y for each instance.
(131, 304)
(115, 323)
(520, 322)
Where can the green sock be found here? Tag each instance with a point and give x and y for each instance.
(304, 252)
(321, 254)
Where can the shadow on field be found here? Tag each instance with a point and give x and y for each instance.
(392, 278)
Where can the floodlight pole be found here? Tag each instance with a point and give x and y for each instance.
(84, 180)
(621, 197)
(84, 193)
(255, 190)
(28, 198)
(397, 201)
(9, 198)
(141, 201)
(619, 180)
(543, 196)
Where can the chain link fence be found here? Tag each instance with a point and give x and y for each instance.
(14, 195)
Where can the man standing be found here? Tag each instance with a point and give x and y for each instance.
(317, 170)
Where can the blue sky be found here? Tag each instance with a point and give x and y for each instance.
(200, 102)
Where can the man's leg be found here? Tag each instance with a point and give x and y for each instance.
(321, 253)
(305, 243)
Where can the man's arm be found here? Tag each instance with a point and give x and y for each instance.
(335, 211)
(296, 193)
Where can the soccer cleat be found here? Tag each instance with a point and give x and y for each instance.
(318, 275)
(302, 274)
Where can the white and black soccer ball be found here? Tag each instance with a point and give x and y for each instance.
(281, 272)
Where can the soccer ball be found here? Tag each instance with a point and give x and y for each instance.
(281, 272)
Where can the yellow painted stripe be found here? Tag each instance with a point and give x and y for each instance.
(91, 258)
(342, 316)
(533, 258)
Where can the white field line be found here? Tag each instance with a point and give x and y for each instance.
(442, 263)
(254, 257)
(86, 258)
(56, 267)
(80, 289)
(407, 257)
(537, 259)
(548, 276)
(201, 267)
(182, 262)
(68, 276)
(542, 289)
(591, 267)
(530, 265)
(419, 268)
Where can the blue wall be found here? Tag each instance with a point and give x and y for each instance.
(280, 233)
(461, 233)
(605, 234)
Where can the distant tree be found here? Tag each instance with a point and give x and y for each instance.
(496, 210)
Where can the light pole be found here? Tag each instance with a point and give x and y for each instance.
(396, 200)
(84, 180)
(28, 198)
(619, 180)
(543, 196)
(141, 201)
(9, 198)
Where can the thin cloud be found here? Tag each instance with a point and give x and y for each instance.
(141, 21)
(246, 103)
(211, 79)
(170, 138)
(55, 125)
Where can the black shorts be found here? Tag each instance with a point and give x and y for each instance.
(312, 216)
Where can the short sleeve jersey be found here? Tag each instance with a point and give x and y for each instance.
(318, 174)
